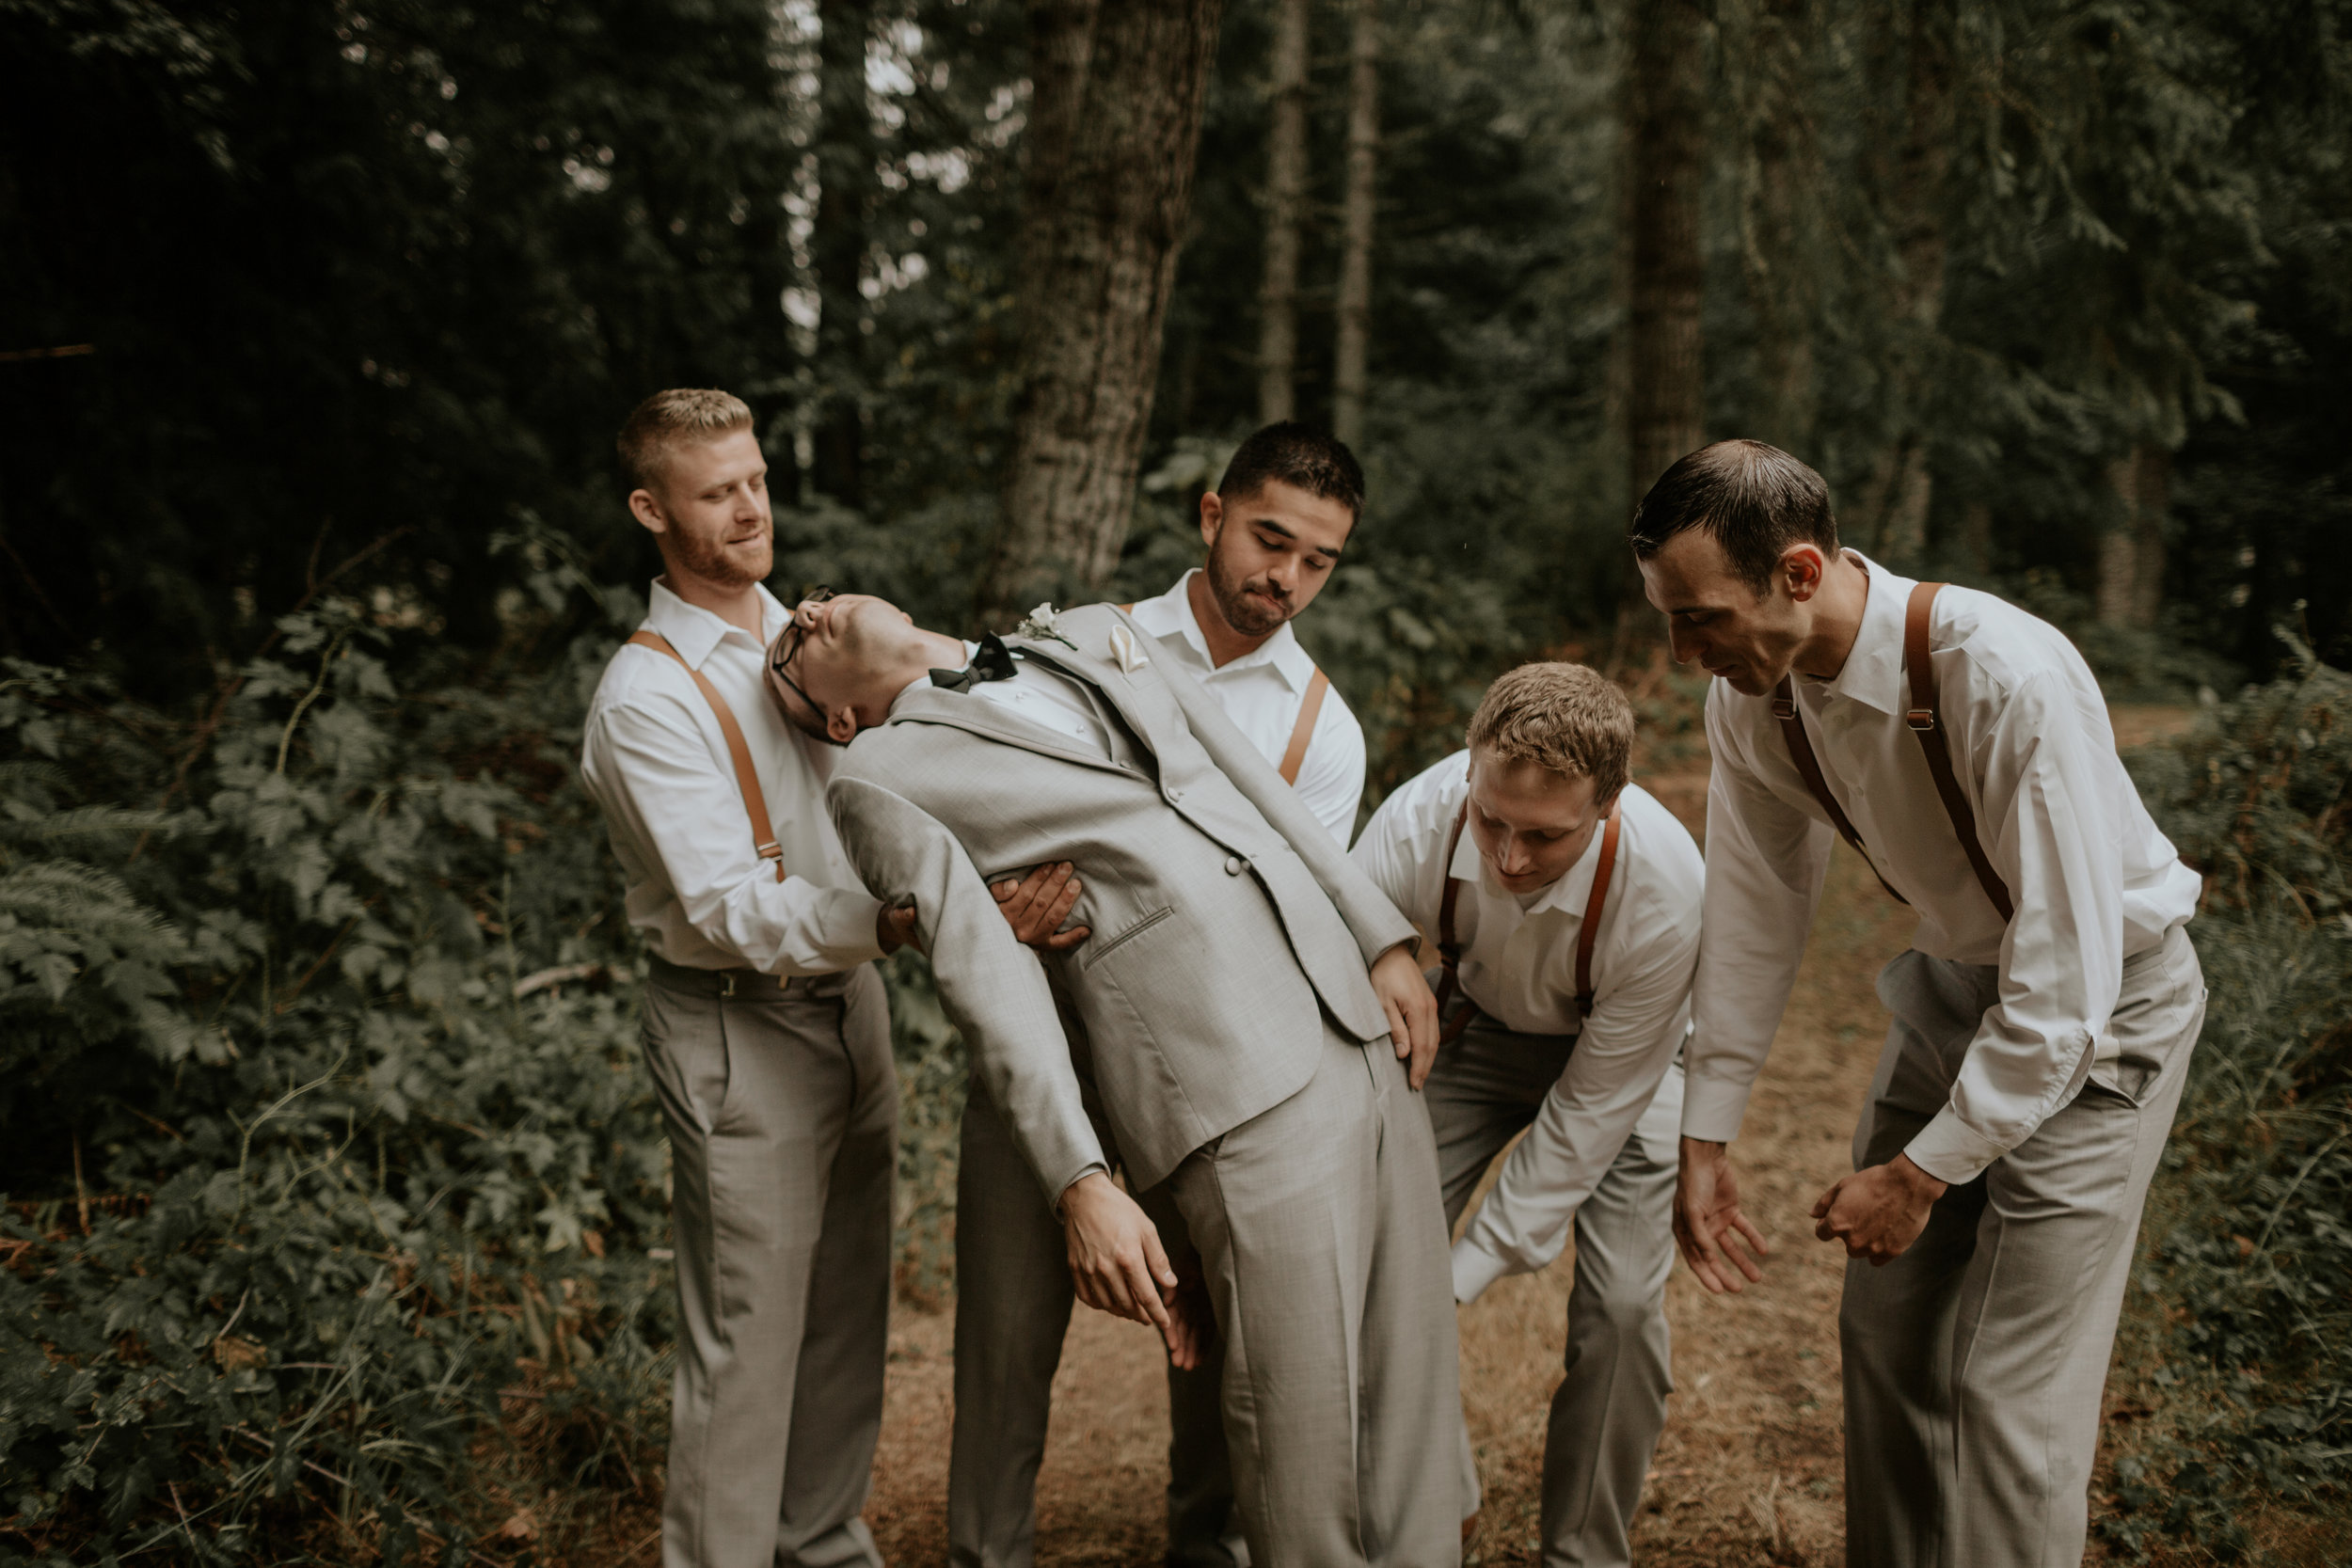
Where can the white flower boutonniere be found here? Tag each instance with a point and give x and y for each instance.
(1126, 650)
(1043, 623)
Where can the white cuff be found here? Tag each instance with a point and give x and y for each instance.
(1712, 1107)
(1474, 1268)
(1952, 1151)
(847, 918)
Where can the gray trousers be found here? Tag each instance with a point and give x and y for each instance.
(782, 1105)
(1975, 1362)
(1013, 1299)
(1325, 1265)
(1608, 1411)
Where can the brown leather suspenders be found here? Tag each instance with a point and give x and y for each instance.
(1450, 946)
(746, 776)
(1304, 729)
(1926, 719)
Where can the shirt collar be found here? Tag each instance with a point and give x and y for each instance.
(1570, 892)
(1873, 673)
(1171, 615)
(694, 631)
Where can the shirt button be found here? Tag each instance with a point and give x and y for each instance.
(1233, 864)
(1174, 796)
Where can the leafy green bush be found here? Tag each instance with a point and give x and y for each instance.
(326, 1139)
(2250, 1266)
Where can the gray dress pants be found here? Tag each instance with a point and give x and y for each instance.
(1336, 1388)
(1608, 1411)
(782, 1105)
(1975, 1362)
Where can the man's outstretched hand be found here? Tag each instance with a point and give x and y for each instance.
(1709, 1225)
(1877, 1212)
(1036, 906)
(1119, 1266)
(1412, 1011)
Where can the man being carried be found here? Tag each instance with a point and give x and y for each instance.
(1228, 1031)
(2043, 1021)
(1565, 902)
(1274, 526)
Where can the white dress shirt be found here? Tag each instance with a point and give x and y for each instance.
(2091, 879)
(1518, 965)
(656, 761)
(1260, 693)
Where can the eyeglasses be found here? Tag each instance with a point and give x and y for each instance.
(787, 647)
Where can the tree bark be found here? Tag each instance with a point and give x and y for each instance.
(1285, 207)
(1114, 128)
(2131, 550)
(1782, 208)
(1354, 340)
(1667, 106)
(1913, 197)
(845, 174)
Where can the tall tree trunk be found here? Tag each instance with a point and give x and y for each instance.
(2119, 546)
(1353, 346)
(2131, 550)
(1117, 89)
(2156, 501)
(1781, 206)
(1285, 209)
(1668, 108)
(845, 176)
(1913, 197)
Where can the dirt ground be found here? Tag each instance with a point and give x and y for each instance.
(1749, 1468)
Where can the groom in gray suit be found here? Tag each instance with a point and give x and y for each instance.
(1234, 1011)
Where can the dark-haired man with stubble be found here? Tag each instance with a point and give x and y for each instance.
(1275, 525)
(1273, 533)
(2042, 1021)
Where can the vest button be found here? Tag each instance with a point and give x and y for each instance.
(1233, 864)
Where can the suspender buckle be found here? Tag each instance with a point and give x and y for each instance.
(772, 851)
(1784, 708)
(1921, 719)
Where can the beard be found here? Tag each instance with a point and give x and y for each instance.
(709, 558)
(1236, 600)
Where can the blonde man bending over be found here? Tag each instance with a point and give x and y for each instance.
(1565, 905)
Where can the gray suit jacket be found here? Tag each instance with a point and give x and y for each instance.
(1225, 918)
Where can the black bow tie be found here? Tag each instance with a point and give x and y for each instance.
(994, 662)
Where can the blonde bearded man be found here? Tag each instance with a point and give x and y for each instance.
(2042, 1021)
(765, 1027)
(1565, 901)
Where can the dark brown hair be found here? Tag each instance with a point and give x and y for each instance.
(1315, 461)
(1756, 500)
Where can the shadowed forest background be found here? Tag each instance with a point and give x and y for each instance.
(332, 1221)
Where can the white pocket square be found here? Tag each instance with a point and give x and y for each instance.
(1126, 650)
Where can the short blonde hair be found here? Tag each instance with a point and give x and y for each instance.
(671, 419)
(1569, 718)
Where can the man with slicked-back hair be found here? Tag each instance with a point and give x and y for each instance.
(2042, 1019)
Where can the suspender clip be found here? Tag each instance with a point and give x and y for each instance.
(727, 982)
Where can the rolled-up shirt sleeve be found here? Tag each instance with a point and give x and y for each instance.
(655, 776)
(2062, 954)
(1766, 864)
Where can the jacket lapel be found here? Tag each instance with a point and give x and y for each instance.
(1134, 704)
(992, 721)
